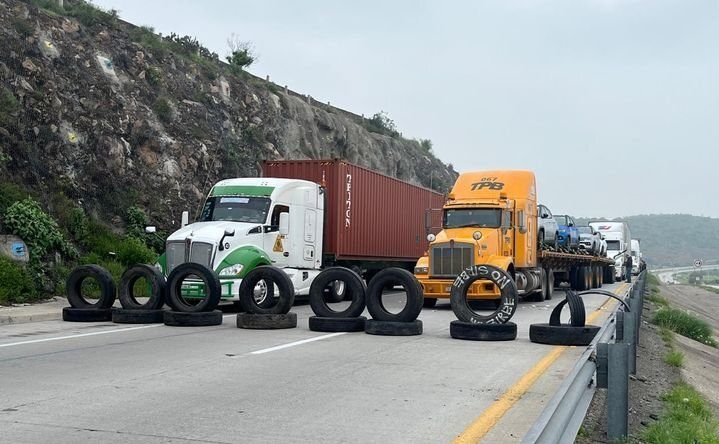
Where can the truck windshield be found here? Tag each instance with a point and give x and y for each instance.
(473, 217)
(613, 245)
(236, 209)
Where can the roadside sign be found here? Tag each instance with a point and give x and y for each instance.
(698, 263)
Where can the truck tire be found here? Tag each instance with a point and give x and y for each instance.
(354, 287)
(73, 287)
(271, 275)
(581, 279)
(391, 328)
(192, 319)
(562, 334)
(549, 284)
(137, 316)
(429, 302)
(502, 279)
(395, 276)
(71, 314)
(541, 294)
(334, 324)
(209, 279)
(153, 276)
(483, 332)
(266, 321)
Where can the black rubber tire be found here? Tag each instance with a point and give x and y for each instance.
(502, 279)
(581, 278)
(137, 316)
(266, 321)
(391, 328)
(549, 284)
(157, 281)
(562, 334)
(541, 294)
(192, 319)
(612, 277)
(73, 287)
(577, 311)
(208, 277)
(429, 302)
(395, 276)
(282, 284)
(71, 314)
(354, 288)
(483, 332)
(573, 278)
(334, 324)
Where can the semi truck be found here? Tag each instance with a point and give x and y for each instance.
(303, 216)
(637, 258)
(490, 218)
(618, 237)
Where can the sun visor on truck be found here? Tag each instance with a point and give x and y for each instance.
(242, 190)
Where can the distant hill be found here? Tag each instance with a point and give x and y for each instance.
(673, 239)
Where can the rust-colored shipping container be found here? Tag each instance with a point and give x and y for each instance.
(368, 216)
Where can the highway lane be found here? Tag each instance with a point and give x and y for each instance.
(67, 383)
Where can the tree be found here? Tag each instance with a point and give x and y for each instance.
(242, 53)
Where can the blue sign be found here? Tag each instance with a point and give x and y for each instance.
(18, 249)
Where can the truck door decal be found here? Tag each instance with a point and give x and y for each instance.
(348, 200)
(277, 248)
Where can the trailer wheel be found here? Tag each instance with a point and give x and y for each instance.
(266, 321)
(192, 319)
(73, 287)
(429, 302)
(562, 335)
(210, 283)
(549, 284)
(71, 314)
(390, 277)
(155, 280)
(483, 332)
(581, 279)
(354, 287)
(541, 295)
(137, 316)
(391, 328)
(319, 323)
(272, 276)
(500, 278)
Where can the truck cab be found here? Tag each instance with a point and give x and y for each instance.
(617, 236)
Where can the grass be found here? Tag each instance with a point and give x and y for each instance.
(675, 358)
(712, 289)
(687, 419)
(685, 324)
(667, 336)
(657, 299)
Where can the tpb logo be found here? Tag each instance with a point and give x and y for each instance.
(487, 185)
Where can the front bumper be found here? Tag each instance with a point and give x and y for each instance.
(196, 289)
(441, 288)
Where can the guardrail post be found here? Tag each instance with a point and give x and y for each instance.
(602, 369)
(617, 391)
(630, 335)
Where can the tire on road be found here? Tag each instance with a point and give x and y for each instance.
(429, 302)
(73, 287)
(266, 321)
(192, 319)
(392, 328)
(355, 288)
(412, 287)
(483, 332)
(71, 314)
(271, 275)
(209, 279)
(158, 286)
(334, 324)
(562, 334)
(549, 284)
(137, 316)
(502, 279)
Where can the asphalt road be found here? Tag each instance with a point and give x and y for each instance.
(70, 383)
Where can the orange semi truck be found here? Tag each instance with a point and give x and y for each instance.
(490, 218)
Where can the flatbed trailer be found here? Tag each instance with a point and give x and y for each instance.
(580, 271)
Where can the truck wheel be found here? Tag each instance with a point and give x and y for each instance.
(331, 325)
(272, 276)
(483, 332)
(73, 287)
(391, 328)
(210, 282)
(71, 314)
(541, 294)
(549, 284)
(192, 319)
(266, 321)
(429, 302)
(157, 286)
(137, 316)
(390, 277)
(336, 292)
(264, 294)
(500, 278)
(562, 334)
(588, 276)
(354, 286)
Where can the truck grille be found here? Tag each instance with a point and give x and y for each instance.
(446, 261)
(175, 255)
(200, 253)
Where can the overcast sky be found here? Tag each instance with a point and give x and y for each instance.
(614, 104)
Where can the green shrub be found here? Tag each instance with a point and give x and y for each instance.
(162, 109)
(40, 231)
(687, 419)
(9, 194)
(16, 283)
(675, 358)
(78, 225)
(89, 14)
(153, 76)
(145, 36)
(49, 5)
(382, 124)
(8, 106)
(133, 251)
(136, 222)
(685, 324)
(241, 56)
(23, 27)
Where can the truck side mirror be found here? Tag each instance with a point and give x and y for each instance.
(284, 224)
(185, 219)
(150, 230)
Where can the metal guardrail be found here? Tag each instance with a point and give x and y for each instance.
(611, 362)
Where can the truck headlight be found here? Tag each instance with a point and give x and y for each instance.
(232, 270)
(421, 270)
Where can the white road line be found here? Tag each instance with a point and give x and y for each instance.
(82, 335)
(293, 344)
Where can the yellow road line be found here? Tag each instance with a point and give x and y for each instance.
(491, 416)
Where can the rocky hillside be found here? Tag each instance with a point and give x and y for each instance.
(113, 116)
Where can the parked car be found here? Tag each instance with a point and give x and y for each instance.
(548, 228)
(568, 232)
(590, 240)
